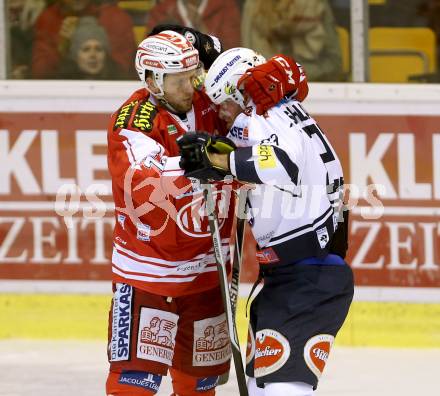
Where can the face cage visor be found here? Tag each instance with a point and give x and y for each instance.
(228, 91)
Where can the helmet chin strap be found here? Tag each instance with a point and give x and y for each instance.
(160, 99)
(166, 104)
(159, 96)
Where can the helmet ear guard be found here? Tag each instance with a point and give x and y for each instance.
(153, 83)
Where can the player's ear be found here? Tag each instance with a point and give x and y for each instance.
(151, 85)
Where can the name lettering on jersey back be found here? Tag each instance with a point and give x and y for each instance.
(296, 113)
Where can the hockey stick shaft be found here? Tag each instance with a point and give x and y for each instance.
(223, 278)
(238, 250)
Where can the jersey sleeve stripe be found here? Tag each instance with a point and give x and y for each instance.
(177, 276)
(145, 278)
(244, 165)
(172, 164)
(302, 230)
(130, 265)
(140, 146)
(170, 263)
(130, 154)
(290, 167)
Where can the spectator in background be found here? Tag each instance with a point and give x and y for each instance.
(302, 29)
(21, 16)
(88, 56)
(56, 24)
(395, 13)
(342, 13)
(220, 18)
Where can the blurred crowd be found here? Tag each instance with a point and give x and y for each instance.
(97, 39)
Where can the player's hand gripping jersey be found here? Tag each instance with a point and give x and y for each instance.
(162, 242)
(295, 206)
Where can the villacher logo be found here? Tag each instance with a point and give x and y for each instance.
(316, 352)
(272, 350)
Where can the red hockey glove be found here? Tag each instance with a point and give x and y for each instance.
(268, 83)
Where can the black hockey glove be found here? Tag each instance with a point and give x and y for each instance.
(209, 47)
(195, 150)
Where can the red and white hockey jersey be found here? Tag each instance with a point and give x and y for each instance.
(162, 242)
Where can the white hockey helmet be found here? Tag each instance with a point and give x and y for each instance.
(223, 75)
(163, 53)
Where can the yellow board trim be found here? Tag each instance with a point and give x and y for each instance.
(49, 316)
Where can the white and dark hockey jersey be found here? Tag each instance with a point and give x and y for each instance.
(295, 203)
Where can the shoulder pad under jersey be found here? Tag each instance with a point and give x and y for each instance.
(139, 114)
(124, 114)
(144, 116)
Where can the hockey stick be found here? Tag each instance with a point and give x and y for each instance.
(238, 250)
(221, 267)
(236, 264)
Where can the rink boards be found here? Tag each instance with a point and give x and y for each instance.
(387, 137)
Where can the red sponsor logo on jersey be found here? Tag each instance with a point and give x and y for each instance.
(272, 350)
(267, 256)
(245, 133)
(316, 352)
(210, 108)
(214, 337)
(192, 218)
(211, 341)
(156, 335)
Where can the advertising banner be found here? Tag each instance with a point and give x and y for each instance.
(56, 210)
